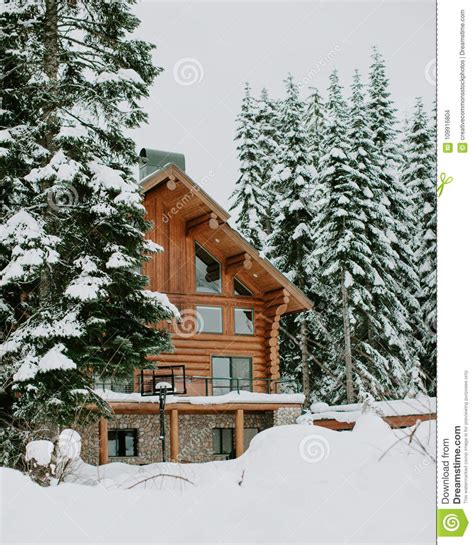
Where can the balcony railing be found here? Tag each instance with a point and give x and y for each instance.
(174, 379)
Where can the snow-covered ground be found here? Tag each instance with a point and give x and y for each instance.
(298, 483)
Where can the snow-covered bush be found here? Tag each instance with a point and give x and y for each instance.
(48, 462)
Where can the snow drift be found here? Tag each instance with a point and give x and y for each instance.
(296, 483)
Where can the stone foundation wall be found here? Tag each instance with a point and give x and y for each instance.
(195, 434)
(285, 416)
(148, 439)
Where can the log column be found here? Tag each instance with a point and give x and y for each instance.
(276, 304)
(103, 442)
(174, 435)
(239, 432)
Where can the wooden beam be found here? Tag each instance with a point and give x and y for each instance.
(189, 408)
(209, 220)
(237, 263)
(103, 442)
(239, 432)
(174, 435)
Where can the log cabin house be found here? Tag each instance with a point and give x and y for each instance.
(224, 368)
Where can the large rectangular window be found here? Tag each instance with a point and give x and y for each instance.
(208, 271)
(231, 373)
(209, 319)
(243, 321)
(123, 443)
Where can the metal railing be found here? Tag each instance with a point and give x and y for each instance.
(222, 385)
(150, 381)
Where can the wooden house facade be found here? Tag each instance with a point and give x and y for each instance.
(231, 301)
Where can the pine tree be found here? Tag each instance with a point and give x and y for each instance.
(383, 121)
(267, 122)
(291, 238)
(315, 124)
(249, 197)
(72, 235)
(419, 176)
(351, 256)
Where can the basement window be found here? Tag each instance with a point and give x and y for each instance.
(208, 271)
(243, 321)
(123, 443)
(223, 442)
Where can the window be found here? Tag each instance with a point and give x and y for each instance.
(209, 319)
(240, 289)
(122, 443)
(208, 271)
(223, 441)
(249, 434)
(229, 373)
(243, 321)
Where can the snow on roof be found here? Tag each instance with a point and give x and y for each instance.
(350, 413)
(231, 397)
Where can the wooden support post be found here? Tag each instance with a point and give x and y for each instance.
(174, 435)
(103, 442)
(239, 432)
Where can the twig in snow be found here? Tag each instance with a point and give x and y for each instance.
(160, 475)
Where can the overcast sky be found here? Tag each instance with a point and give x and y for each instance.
(210, 49)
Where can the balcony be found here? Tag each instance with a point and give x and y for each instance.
(176, 382)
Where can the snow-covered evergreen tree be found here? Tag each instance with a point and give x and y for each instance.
(315, 123)
(419, 175)
(267, 120)
(72, 234)
(291, 238)
(383, 122)
(354, 257)
(249, 197)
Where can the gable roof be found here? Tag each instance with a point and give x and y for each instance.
(200, 204)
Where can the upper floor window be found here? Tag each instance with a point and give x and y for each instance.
(243, 321)
(241, 289)
(208, 271)
(209, 319)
